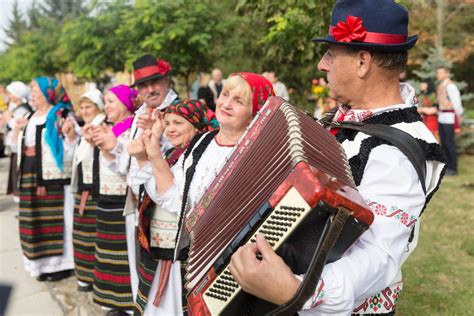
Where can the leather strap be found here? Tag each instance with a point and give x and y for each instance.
(406, 143)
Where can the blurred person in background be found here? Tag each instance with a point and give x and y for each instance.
(18, 95)
(450, 113)
(204, 93)
(428, 107)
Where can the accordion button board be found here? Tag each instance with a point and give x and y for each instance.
(285, 217)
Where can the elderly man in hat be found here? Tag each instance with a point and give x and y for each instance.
(153, 81)
(367, 49)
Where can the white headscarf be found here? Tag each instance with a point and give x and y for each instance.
(95, 96)
(20, 90)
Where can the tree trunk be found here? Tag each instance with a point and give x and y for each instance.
(440, 10)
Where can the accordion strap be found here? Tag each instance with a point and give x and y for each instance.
(406, 143)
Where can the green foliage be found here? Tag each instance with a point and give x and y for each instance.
(62, 10)
(287, 46)
(184, 32)
(35, 49)
(90, 45)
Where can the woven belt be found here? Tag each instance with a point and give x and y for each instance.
(30, 151)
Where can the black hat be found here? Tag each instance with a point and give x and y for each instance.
(148, 67)
(381, 25)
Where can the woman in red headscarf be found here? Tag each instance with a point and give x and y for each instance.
(242, 96)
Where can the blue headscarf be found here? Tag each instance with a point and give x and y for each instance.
(55, 94)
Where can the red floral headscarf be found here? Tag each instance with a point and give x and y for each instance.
(196, 113)
(260, 87)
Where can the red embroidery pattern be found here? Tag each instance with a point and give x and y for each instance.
(383, 302)
(393, 212)
(318, 295)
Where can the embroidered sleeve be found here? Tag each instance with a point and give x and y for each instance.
(391, 187)
(318, 296)
(392, 212)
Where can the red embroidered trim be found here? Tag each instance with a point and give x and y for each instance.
(393, 212)
(223, 145)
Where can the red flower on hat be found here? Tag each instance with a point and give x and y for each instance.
(351, 30)
(163, 66)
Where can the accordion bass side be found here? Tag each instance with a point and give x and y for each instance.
(287, 177)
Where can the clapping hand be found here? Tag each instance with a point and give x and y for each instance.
(145, 121)
(88, 133)
(68, 129)
(136, 148)
(104, 138)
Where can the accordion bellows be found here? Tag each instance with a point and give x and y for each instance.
(284, 166)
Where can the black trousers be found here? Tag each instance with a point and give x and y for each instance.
(446, 134)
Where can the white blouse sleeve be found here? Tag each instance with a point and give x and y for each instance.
(122, 158)
(69, 148)
(171, 199)
(393, 192)
(137, 176)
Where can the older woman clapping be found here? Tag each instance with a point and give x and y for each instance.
(242, 96)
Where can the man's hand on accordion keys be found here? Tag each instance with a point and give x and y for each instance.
(269, 278)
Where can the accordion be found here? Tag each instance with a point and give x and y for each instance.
(285, 179)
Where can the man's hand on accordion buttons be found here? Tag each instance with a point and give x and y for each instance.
(269, 278)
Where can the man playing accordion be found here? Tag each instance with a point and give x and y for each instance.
(367, 49)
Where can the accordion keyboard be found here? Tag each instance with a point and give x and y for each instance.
(276, 228)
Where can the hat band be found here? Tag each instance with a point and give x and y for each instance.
(378, 38)
(146, 72)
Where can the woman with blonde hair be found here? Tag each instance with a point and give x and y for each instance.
(242, 96)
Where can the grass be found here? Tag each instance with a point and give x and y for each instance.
(439, 276)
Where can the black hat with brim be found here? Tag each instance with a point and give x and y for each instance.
(148, 68)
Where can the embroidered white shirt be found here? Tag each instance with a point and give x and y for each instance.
(392, 190)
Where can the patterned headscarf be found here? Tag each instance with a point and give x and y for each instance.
(260, 86)
(55, 94)
(196, 113)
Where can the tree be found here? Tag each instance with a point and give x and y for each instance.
(449, 30)
(34, 15)
(90, 44)
(16, 26)
(184, 32)
(285, 29)
(61, 10)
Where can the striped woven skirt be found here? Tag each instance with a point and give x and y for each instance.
(147, 288)
(84, 235)
(41, 217)
(111, 270)
(146, 272)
